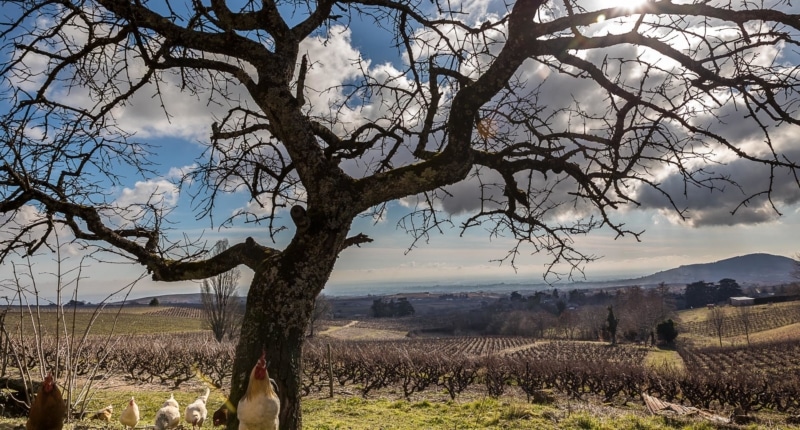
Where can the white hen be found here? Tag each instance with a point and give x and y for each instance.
(130, 415)
(169, 416)
(196, 413)
(259, 407)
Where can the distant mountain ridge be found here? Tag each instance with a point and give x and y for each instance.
(167, 299)
(746, 270)
(750, 269)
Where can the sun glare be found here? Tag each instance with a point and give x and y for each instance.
(627, 6)
(631, 5)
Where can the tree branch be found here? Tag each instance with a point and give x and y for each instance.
(248, 253)
(356, 240)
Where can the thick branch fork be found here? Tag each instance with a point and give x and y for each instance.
(249, 253)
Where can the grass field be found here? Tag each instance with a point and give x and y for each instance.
(351, 332)
(133, 320)
(486, 413)
(664, 358)
(787, 332)
(355, 413)
(348, 411)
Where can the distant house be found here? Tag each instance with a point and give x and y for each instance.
(742, 301)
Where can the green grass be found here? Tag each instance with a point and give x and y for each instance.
(382, 414)
(670, 358)
(149, 402)
(356, 413)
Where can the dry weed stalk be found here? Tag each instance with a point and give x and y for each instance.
(36, 343)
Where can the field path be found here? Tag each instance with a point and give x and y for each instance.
(513, 349)
(350, 331)
(337, 328)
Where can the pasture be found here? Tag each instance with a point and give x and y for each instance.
(111, 320)
(498, 390)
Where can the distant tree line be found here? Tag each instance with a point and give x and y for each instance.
(701, 293)
(642, 315)
(576, 315)
(401, 307)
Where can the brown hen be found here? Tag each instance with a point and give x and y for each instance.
(48, 408)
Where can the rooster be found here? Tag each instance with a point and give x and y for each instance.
(196, 413)
(259, 407)
(130, 416)
(48, 408)
(104, 414)
(169, 416)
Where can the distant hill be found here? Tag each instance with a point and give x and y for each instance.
(169, 299)
(750, 269)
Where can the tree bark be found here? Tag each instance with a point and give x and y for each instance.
(279, 307)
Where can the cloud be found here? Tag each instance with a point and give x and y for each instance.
(715, 207)
(180, 173)
(133, 206)
(12, 222)
(162, 107)
(159, 192)
(255, 207)
(335, 62)
(168, 110)
(27, 217)
(332, 61)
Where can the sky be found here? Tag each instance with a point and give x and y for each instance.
(710, 233)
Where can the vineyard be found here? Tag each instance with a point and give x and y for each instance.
(759, 319)
(717, 378)
(578, 370)
(761, 378)
(178, 312)
(751, 379)
(775, 359)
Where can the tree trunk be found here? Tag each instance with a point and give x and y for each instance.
(278, 311)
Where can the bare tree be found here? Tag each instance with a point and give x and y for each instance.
(744, 314)
(322, 309)
(34, 346)
(640, 312)
(492, 99)
(568, 324)
(220, 299)
(717, 320)
(643, 309)
(612, 322)
(666, 304)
